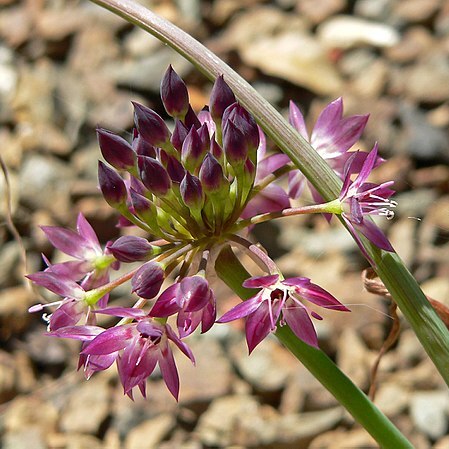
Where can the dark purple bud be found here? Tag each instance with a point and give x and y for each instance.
(211, 174)
(153, 175)
(193, 150)
(234, 145)
(175, 169)
(150, 125)
(221, 97)
(191, 119)
(179, 134)
(142, 206)
(148, 280)
(245, 122)
(111, 185)
(192, 192)
(174, 94)
(203, 133)
(216, 149)
(130, 248)
(194, 293)
(142, 147)
(116, 150)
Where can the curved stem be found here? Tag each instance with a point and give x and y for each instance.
(405, 291)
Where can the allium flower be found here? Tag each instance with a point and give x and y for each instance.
(137, 348)
(281, 300)
(194, 302)
(359, 198)
(332, 137)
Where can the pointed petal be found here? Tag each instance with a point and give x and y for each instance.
(258, 326)
(300, 323)
(374, 235)
(261, 281)
(242, 310)
(327, 122)
(166, 304)
(296, 119)
(83, 333)
(169, 371)
(66, 240)
(111, 340)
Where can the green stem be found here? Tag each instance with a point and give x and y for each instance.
(320, 365)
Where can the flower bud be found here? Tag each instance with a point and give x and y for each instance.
(148, 280)
(192, 192)
(142, 147)
(194, 293)
(179, 134)
(193, 150)
(221, 97)
(111, 185)
(234, 145)
(174, 94)
(211, 175)
(153, 175)
(191, 119)
(245, 122)
(116, 150)
(151, 126)
(130, 248)
(143, 207)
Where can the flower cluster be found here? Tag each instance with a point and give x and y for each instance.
(194, 187)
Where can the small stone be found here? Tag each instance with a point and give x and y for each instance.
(317, 11)
(91, 396)
(309, 68)
(31, 438)
(371, 82)
(344, 439)
(437, 214)
(50, 178)
(415, 42)
(437, 288)
(392, 399)
(402, 234)
(378, 10)
(210, 377)
(416, 10)
(354, 358)
(13, 302)
(267, 368)
(414, 203)
(150, 433)
(347, 31)
(429, 412)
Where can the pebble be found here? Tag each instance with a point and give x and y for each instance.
(309, 67)
(347, 31)
(416, 10)
(31, 438)
(150, 433)
(385, 393)
(318, 10)
(429, 412)
(92, 396)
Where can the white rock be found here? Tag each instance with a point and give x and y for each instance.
(346, 32)
(296, 57)
(429, 412)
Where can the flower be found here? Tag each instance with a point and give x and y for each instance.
(194, 302)
(137, 348)
(281, 299)
(359, 198)
(332, 137)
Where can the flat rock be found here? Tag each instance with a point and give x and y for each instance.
(348, 31)
(308, 67)
(91, 396)
(150, 433)
(429, 411)
(384, 394)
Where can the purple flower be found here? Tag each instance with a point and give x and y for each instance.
(332, 137)
(359, 198)
(194, 302)
(137, 348)
(281, 299)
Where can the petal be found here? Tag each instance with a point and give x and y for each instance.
(261, 281)
(68, 314)
(367, 168)
(123, 312)
(317, 295)
(242, 310)
(296, 119)
(110, 340)
(374, 235)
(86, 231)
(300, 323)
(166, 304)
(181, 345)
(83, 333)
(66, 240)
(258, 326)
(327, 123)
(169, 371)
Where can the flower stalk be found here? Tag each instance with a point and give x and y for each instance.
(405, 291)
